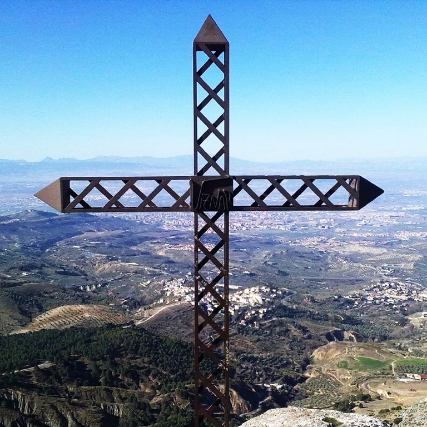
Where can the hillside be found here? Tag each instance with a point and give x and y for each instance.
(95, 377)
(74, 316)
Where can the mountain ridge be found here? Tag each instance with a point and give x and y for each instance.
(189, 157)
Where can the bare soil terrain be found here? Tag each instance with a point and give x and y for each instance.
(368, 368)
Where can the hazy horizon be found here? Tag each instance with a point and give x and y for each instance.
(125, 158)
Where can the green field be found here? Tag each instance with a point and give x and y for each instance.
(367, 363)
(363, 364)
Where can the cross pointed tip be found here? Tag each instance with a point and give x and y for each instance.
(51, 195)
(210, 32)
(368, 192)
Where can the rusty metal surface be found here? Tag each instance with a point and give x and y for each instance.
(211, 94)
(211, 254)
(178, 193)
(211, 229)
(211, 198)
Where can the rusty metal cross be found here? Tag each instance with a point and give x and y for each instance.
(211, 197)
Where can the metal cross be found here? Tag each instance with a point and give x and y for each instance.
(211, 197)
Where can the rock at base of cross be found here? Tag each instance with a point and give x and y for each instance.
(301, 417)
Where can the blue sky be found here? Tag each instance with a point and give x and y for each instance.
(309, 79)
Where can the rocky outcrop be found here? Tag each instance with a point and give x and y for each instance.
(20, 401)
(302, 417)
(238, 404)
(415, 416)
(112, 409)
(246, 398)
(341, 335)
(22, 409)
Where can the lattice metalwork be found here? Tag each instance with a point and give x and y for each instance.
(246, 193)
(211, 230)
(211, 100)
(211, 198)
(211, 317)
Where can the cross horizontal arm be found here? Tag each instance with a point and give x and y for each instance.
(118, 194)
(177, 194)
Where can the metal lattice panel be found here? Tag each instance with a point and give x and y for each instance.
(247, 193)
(211, 100)
(211, 317)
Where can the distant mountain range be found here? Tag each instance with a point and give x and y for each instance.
(184, 164)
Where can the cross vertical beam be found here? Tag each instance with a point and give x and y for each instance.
(211, 229)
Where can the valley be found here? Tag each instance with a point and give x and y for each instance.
(326, 309)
